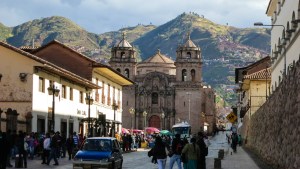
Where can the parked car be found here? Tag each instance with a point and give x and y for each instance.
(99, 152)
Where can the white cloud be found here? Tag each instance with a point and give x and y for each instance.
(105, 15)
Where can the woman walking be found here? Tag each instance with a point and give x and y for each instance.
(192, 152)
(70, 145)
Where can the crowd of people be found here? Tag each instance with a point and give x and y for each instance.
(190, 154)
(22, 147)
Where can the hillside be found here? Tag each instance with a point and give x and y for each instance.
(109, 39)
(5, 32)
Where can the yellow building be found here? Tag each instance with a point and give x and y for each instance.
(254, 82)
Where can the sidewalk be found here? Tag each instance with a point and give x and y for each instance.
(242, 159)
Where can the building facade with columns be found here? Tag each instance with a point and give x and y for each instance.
(165, 91)
(285, 41)
(26, 75)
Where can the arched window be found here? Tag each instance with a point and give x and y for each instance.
(193, 74)
(122, 55)
(279, 45)
(183, 77)
(294, 22)
(127, 73)
(283, 35)
(189, 55)
(154, 98)
(118, 70)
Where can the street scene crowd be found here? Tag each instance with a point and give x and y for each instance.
(185, 153)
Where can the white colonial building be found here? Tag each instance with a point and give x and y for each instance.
(285, 18)
(27, 105)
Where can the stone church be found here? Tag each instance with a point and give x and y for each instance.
(165, 92)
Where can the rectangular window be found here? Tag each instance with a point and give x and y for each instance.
(108, 95)
(71, 93)
(81, 97)
(103, 96)
(63, 91)
(51, 83)
(41, 85)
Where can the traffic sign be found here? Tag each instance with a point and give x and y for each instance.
(231, 117)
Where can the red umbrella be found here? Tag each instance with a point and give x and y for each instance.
(151, 130)
(136, 131)
(125, 131)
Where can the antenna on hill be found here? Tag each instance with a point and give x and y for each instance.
(32, 42)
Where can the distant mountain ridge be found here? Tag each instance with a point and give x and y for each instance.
(223, 47)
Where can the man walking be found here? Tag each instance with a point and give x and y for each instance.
(53, 151)
(176, 149)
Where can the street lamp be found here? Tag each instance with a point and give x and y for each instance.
(145, 115)
(89, 100)
(114, 107)
(131, 111)
(261, 24)
(163, 120)
(189, 93)
(52, 90)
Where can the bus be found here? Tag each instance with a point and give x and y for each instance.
(183, 128)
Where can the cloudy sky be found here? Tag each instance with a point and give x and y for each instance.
(100, 16)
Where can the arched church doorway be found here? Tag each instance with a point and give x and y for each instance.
(154, 121)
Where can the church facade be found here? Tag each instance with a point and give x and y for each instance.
(165, 91)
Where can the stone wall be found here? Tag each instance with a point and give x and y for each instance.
(273, 132)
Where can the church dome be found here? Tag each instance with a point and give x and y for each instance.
(157, 63)
(159, 58)
(123, 43)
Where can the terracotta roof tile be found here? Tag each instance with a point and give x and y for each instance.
(262, 74)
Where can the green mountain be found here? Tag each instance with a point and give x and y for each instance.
(5, 32)
(42, 31)
(109, 39)
(223, 47)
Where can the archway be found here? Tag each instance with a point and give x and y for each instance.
(154, 121)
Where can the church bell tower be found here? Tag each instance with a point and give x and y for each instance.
(123, 58)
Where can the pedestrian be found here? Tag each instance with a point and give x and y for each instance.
(176, 149)
(234, 141)
(203, 151)
(75, 139)
(240, 140)
(4, 147)
(53, 151)
(46, 149)
(10, 146)
(63, 144)
(192, 152)
(159, 152)
(22, 146)
(70, 145)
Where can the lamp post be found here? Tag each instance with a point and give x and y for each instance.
(89, 100)
(163, 120)
(261, 24)
(115, 107)
(189, 93)
(52, 90)
(145, 116)
(131, 111)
